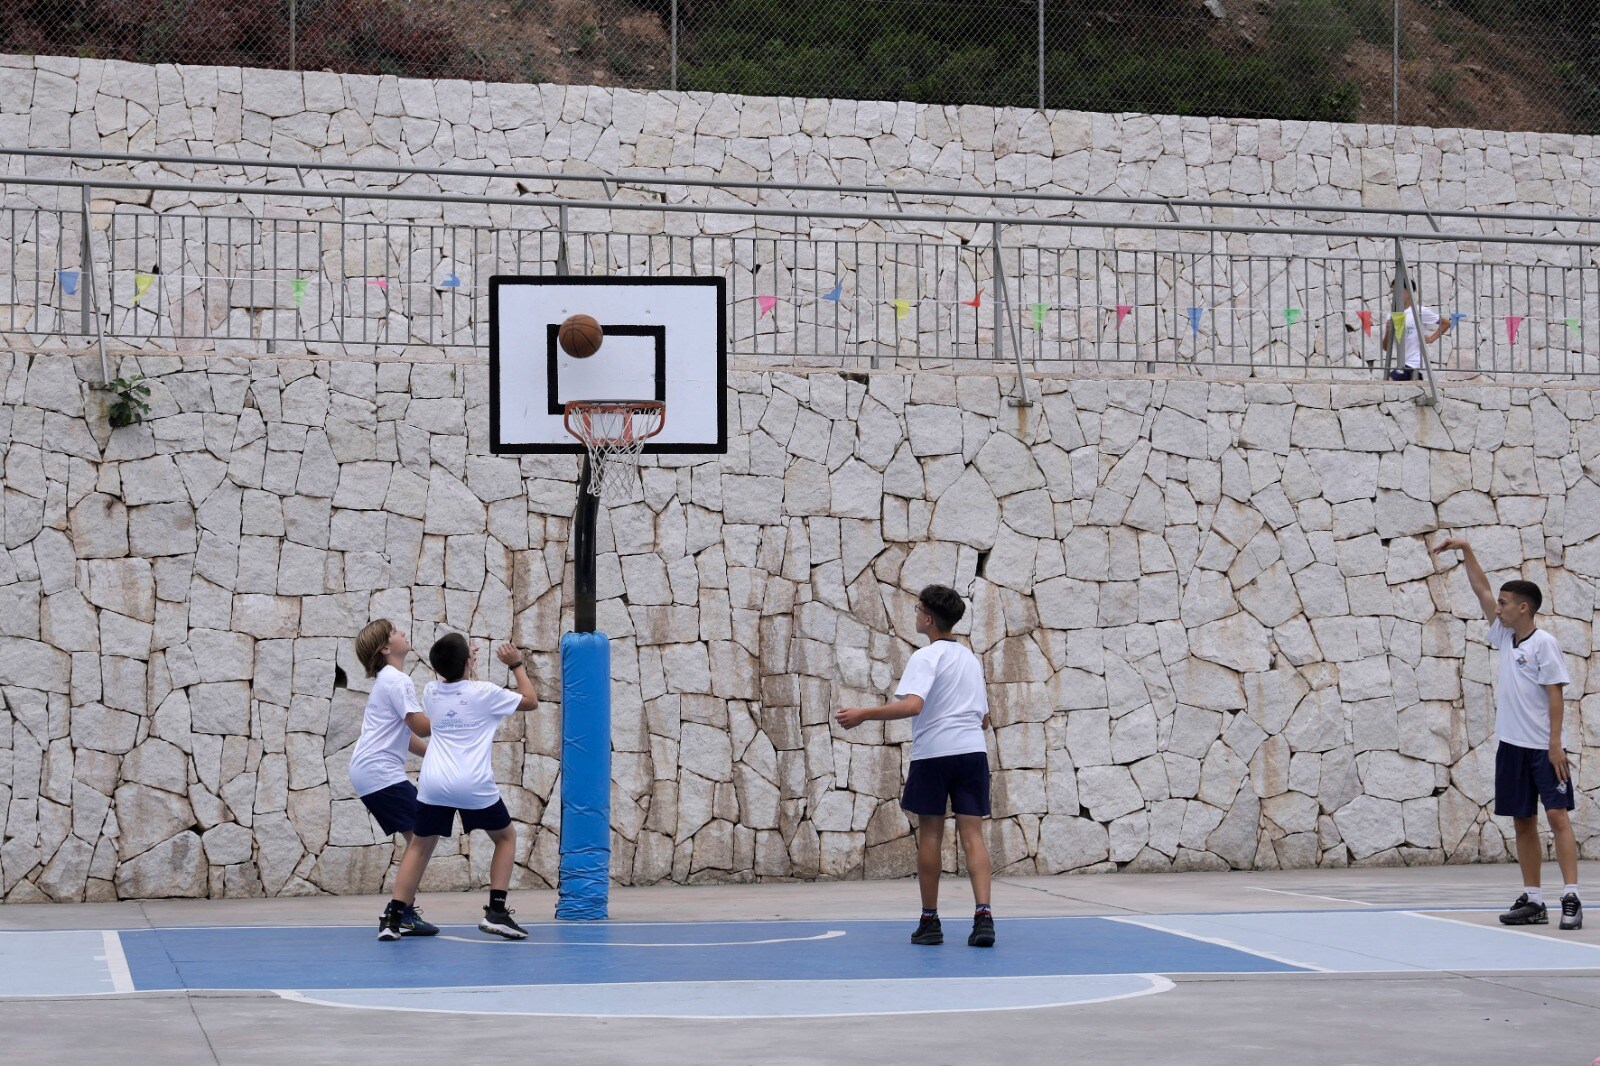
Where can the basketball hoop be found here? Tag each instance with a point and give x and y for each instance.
(614, 432)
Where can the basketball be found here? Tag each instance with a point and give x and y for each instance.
(580, 336)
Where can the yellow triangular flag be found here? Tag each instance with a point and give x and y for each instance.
(1399, 320)
(141, 285)
(902, 308)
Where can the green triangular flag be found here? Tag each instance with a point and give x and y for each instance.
(299, 286)
(1038, 314)
(1572, 324)
(1291, 315)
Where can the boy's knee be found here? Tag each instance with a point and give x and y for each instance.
(1560, 820)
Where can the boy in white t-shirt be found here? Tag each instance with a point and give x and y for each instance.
(458, 775)
(1531, 763)
(378, 761)
(1412, 368)
(943, 689)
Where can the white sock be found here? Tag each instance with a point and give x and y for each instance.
(1535, 894)
(1570, 890)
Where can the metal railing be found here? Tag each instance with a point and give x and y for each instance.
(286, 268)
(1517, 64)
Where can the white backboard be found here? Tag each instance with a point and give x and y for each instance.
(665, 339)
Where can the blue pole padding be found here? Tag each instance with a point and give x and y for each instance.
(585, 884)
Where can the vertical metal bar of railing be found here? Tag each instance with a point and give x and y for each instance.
(89, 301)
(293, 4)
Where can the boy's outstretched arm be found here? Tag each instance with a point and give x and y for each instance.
(419, 725)
(418, 746)
(509, 654)
(1479, 580)
(904, 707)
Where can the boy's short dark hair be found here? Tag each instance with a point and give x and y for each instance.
(1526, 591)
(448, 657)
(944, 604)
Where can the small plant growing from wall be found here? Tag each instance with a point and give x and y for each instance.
(129, 407)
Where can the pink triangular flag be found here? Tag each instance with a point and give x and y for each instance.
(1122, 312)
(975, 301)
(378, 282)
(1366, 321)
(766, 303)
(1513, 323)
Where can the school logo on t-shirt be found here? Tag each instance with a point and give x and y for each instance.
(1522, 658)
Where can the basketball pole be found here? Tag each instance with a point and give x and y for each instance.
(585, 878)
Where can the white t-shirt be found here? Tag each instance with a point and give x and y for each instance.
(1413, 341)
(458, 770)
(1522, 709)
(379, 757)
(949, 679)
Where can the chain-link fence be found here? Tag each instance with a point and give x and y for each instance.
(1506, 64)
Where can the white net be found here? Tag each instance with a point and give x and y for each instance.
(614, 432)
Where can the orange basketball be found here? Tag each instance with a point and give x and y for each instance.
(580, 336)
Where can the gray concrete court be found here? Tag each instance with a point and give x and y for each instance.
(1544, 1016)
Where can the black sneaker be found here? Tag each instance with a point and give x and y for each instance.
(928, 932)
(982, 935)
(411, 924)
(389, 926)
(1525, 912)
(498, 921)
(1571, 911)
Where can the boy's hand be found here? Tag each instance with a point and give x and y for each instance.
(850, 717)
(1452, 544)
(1558, 761)
(508, 653)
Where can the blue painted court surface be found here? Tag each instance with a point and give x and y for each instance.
(764, 969)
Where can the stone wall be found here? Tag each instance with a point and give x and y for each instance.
(1212, 633)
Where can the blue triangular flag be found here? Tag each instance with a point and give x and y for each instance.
(1194, 319)
(69, 281)
(1456, 316)
(452, 282)
(838, 290)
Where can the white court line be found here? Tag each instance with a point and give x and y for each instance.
(1157, 984)
(1309, 895)
(116, 962)
(1218, 941)
(829, 935)
(1509, 930)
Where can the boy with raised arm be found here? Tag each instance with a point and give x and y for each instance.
(943, 690)
(1531, 764)
(458, 775)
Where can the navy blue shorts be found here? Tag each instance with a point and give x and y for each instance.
(962, 781)
(1523, 777)
(441, 821)
(394, 806)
